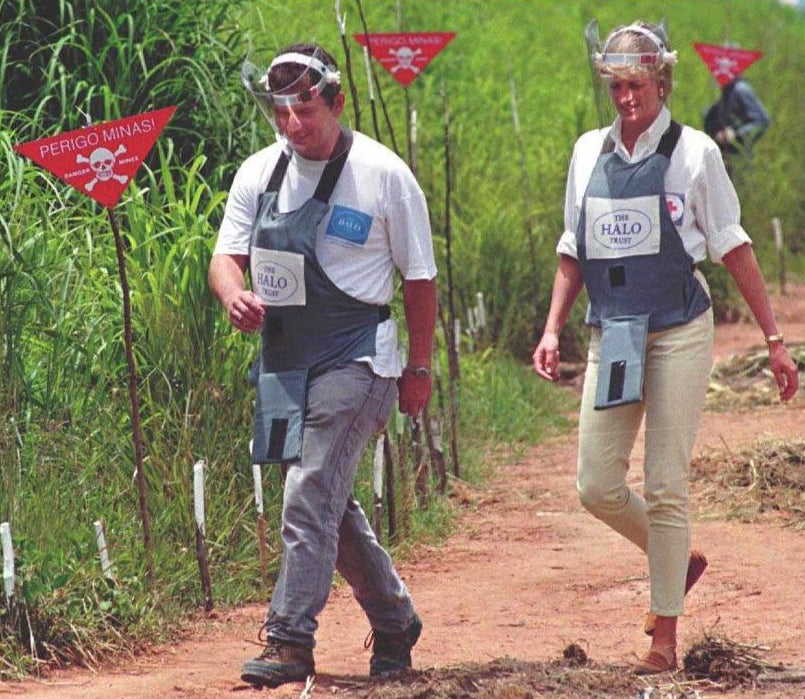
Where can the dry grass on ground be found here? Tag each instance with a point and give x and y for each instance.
(712, 665)
(765, 479)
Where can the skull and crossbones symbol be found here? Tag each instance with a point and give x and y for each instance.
(726, 67)
(102, 163)
(405, 59)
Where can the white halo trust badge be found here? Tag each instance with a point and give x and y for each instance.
(278, 277)
(622, 227)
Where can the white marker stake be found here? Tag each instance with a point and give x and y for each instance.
(778, 244)
(378, 473)
(201, 550)
(261, 520)
(368, 64)
(198, 494)
(258, 488)
(481, 313)
(8, 559)
(100, 540)
(378, 485)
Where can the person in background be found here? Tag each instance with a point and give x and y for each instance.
(648, 199)
(736, 120)
(322, 221)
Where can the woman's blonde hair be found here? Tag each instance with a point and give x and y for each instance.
(640, 48)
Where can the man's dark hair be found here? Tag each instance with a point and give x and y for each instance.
(285, 74)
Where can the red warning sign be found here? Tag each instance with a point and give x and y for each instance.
(405, 55)
(725, 62)
(102, 159)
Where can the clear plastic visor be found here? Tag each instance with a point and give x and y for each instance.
(301, 90)
(254, 79)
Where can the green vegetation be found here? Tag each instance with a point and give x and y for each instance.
(66, 452)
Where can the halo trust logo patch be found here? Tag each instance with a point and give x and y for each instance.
(622, 229)
(349, 225)
(275, 282)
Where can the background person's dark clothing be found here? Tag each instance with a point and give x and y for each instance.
(739, 109)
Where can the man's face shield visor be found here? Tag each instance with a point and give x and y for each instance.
(305, 87)
(311, 82)
(254, 79)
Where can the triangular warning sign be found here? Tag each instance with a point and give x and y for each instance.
(405, 55)
(726, 62)
(102, 159)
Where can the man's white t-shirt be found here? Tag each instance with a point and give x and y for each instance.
(378, 222)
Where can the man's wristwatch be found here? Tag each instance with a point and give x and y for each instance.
(419, 372)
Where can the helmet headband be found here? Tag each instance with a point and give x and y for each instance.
(662, 57)
(286, 97)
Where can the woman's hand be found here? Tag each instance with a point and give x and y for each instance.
(784, 369)
(546, 357)
(742, 265)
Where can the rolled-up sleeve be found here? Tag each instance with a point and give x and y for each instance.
(577, 176)
(716, 207)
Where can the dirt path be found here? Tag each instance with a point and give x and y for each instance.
(526, 573)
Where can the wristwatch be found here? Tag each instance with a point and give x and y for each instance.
(419, 372)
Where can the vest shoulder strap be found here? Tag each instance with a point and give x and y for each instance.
(669, 139)
(332, 171)
(329, 176)
(278, 174)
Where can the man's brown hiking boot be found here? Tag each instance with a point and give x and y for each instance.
(279, 663)
(391, 652)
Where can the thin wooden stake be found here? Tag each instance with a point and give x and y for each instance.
(341, 20)
(433, 437)
(377, 84)
(142, 486)
(368, 64)
(452, 340)
(527, 199)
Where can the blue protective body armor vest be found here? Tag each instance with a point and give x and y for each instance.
(300, 341)
(638, 276)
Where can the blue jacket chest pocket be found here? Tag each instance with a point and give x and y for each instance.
(349, 225)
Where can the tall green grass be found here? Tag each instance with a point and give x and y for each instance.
(66, 452)
(66, 60)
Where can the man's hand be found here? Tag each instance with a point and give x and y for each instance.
(245, 311)
(414, 392)
(244, 308)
